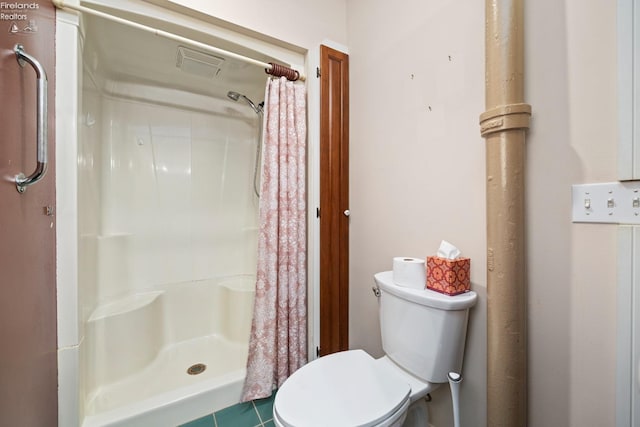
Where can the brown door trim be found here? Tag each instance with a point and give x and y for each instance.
(334, 200)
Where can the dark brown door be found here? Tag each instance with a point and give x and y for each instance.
(334, 201)
(28, 363)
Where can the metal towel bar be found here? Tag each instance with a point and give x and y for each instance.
(22, 181)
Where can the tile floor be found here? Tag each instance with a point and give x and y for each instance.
(258, 413)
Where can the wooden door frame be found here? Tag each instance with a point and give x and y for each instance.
(334, 201)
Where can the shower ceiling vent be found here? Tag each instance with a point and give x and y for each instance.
(198, 63)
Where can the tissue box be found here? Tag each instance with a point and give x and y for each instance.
(448, 276)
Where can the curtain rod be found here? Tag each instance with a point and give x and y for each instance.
(273, 69)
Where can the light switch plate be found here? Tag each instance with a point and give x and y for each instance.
(609, 202)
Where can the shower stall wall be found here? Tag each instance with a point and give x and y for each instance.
(166, 227)
(167, 245)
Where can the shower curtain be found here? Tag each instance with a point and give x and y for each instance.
(278, 344)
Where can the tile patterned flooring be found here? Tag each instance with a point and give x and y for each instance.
(258, 413)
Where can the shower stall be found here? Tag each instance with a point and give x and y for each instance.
(167, 172)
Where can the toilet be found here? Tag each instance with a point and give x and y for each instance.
(423, 337)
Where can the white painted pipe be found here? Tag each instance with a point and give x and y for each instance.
(454, 382)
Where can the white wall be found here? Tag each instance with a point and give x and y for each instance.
(417, 160)
(571, 84)
(303, 23)
(418, 177)
(592, 137)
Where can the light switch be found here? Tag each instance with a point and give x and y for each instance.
(612, 202)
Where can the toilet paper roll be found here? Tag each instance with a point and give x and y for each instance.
(409, 272)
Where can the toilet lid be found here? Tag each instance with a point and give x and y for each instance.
(341, 389)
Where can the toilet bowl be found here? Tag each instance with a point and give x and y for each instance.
(350, 389)
(423, 336)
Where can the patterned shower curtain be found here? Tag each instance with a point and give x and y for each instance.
(278, 344)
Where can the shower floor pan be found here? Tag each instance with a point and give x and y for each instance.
(165, 394)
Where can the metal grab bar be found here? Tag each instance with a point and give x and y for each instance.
(23, 182)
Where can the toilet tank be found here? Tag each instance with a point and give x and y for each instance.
(423, 331)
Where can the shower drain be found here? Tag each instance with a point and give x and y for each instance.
(196, 369)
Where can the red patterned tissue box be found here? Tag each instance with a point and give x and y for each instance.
(448, 276)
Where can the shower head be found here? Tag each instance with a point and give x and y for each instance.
(235, 96)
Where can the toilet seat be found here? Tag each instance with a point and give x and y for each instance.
(342, 389)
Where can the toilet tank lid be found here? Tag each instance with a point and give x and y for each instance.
(342, 389)
(426, 297)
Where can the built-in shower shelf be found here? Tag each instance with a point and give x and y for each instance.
(124, 305)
